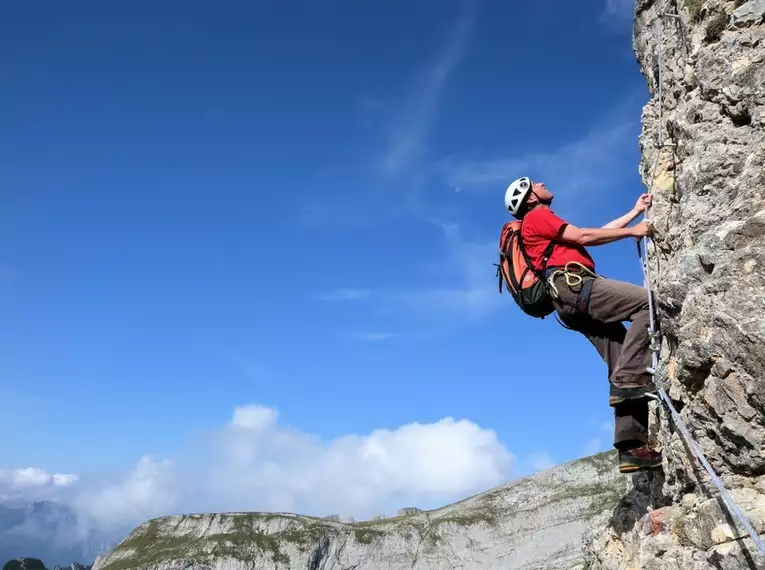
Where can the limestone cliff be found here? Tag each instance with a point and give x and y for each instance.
(535, 523)
(707, 265)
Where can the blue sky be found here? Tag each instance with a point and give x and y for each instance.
(295, 207)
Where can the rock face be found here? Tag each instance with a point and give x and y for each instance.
(535, 523)
(707, 266)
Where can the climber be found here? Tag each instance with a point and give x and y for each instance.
(595, 307)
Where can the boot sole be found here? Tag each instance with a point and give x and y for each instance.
(640, 394)
(616, 400)
(632, 467)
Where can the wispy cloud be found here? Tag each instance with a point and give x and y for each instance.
(373, 336)
(589, 163)
(346, 295)
(617, 14)
(593, 446)
(247, 366)
(599, 443)
(541, 461)
(410, 126)
(6, 272)
(464, 285)
(312, 214)
(467, 270)
(400, 127)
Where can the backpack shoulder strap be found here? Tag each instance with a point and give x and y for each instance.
(540, 273)
(546, 254)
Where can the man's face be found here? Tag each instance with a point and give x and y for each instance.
(541, 192)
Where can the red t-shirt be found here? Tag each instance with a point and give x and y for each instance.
(540, 226)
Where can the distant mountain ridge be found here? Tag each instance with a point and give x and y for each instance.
(48, 531)
(37, 564)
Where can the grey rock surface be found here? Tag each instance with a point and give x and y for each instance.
(535, 523)
(752, 12)
(707, 266)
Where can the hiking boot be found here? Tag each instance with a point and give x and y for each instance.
(621, 395)
(638, 458)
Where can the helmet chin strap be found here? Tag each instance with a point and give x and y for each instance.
(542, 201)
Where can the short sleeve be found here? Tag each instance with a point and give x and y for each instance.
(547, 225)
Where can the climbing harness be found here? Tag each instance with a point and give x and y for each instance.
(573, 271)
(655, 344)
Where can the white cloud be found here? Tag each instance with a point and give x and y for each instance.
(411, 125)
(255, 462)
(269, 466)
(253, 417)
(150, 489)
(64, 480)
(29, 477)
(33, 478)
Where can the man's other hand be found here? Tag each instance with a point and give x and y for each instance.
(642, 229)
(642, 203)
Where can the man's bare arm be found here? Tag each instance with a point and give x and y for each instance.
(599, 236)
(642, 203)
(622, 221)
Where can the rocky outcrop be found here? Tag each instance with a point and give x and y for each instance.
(535, 523)
(707, 265)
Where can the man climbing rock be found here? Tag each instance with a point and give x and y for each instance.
(594, 306)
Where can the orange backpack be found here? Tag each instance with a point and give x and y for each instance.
(522, 280)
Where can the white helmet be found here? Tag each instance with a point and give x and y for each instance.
(516, 193)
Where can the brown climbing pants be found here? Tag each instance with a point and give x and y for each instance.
(626, 352)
